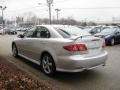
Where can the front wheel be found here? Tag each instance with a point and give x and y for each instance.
(48, 65)
(112, 42)
(14, 50)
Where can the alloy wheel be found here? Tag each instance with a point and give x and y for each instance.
(48, 65)
(14, 51)
(112, 41)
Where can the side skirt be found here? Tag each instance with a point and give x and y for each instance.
(32, 60)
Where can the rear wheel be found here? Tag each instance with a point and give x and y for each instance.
(112, 42)
(48, 65)
(14, 50)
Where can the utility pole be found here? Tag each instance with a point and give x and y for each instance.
(57, 11)
(49, 2)
(3, 8)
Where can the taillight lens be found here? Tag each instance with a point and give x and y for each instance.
(76, 47)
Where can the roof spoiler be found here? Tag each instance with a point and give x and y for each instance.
(77, 37)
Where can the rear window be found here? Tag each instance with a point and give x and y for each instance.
(70, 31)
(63, 33)
(110, 30)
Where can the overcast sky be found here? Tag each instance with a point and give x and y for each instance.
(77, 9)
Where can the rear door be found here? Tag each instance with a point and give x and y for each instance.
(38, 42)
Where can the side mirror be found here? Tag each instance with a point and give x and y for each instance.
(20, 36)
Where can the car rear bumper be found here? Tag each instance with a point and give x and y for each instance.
(78, 63)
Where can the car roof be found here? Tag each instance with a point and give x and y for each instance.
(54, 25)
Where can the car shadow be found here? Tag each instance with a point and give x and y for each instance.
(65, 77)
(77, 77)
(31, 64)
(116, 44)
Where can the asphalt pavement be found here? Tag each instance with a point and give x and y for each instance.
(102, 78)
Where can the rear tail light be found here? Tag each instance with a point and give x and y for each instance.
(75, 47)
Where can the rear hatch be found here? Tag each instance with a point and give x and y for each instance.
(94, 45)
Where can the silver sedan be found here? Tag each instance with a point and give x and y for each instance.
(60, 48)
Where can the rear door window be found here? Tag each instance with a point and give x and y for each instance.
(63, 33)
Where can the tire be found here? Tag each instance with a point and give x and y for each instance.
(112, 42)
(48, 65)
(14, 50)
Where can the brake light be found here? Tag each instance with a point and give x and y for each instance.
(76, 47)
